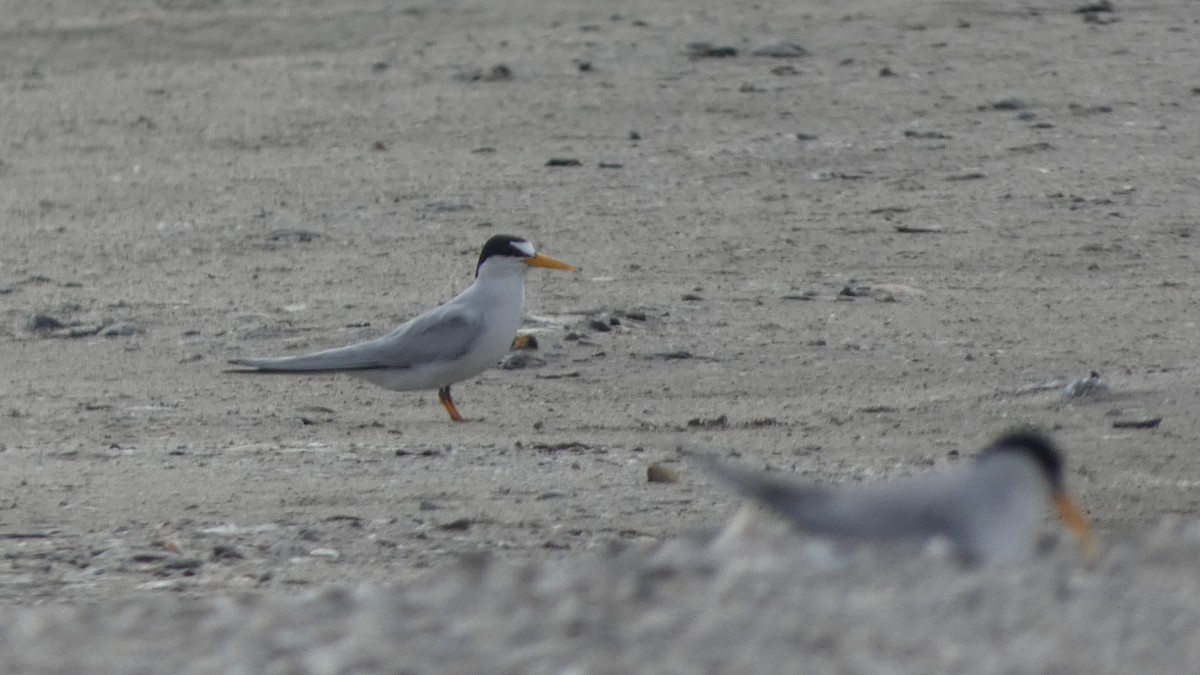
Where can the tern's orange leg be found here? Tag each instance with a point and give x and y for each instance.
(444, 397)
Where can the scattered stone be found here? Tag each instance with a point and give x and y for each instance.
(691, 297)
(599, 325)
(1094, 7)
(585, 67)
(634, 314)
(781, 50)
(552, 494)
(330, 554)
(1085, 386)
(497, 73)
(801, 136)
(561, 446)
(611, 165)
(680, 355)
(525, 342)
(120, 329)
(719, 422)
(785, 70)
(302, 236)
(42, 323)
(563, 161)
(658, 473)
(635, 136)
(969, 175)
(707, 50)
(913, 133)
(520, 360)
(886, 71)
(226, 552)
(1031, 148)
(919, 229)
(1009, 103)
(457, 525)
(1151, 423)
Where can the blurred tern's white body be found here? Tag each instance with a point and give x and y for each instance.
(449, 343)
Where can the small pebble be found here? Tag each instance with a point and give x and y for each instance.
(330, 554)
(599, 325)
(42, 322)
(707, 50)
(525, 342)
(1009, 103)
(657, 473)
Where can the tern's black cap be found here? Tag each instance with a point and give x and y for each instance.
(504, 244)
(1037, 446)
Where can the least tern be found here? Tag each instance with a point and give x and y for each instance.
(447, 344)
(989, 511)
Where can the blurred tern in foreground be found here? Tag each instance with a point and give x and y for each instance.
(447, 344)
(989, 511)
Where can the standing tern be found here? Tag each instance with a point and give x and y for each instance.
(447, 344)
(989, 511)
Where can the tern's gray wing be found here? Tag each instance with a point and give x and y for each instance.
(443, 333)
(908, 509)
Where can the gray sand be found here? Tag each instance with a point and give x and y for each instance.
(855, 264)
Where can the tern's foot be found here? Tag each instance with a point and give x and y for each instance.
(448, 403)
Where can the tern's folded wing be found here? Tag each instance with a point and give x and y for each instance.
(914, 507)
(441, 334)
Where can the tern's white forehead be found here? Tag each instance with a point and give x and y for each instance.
(524, 247)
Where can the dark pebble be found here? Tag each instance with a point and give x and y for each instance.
(42, 322)
(707, 50)
(1010, 103)
(1094, 7)
(563, 161)
(913, 133)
